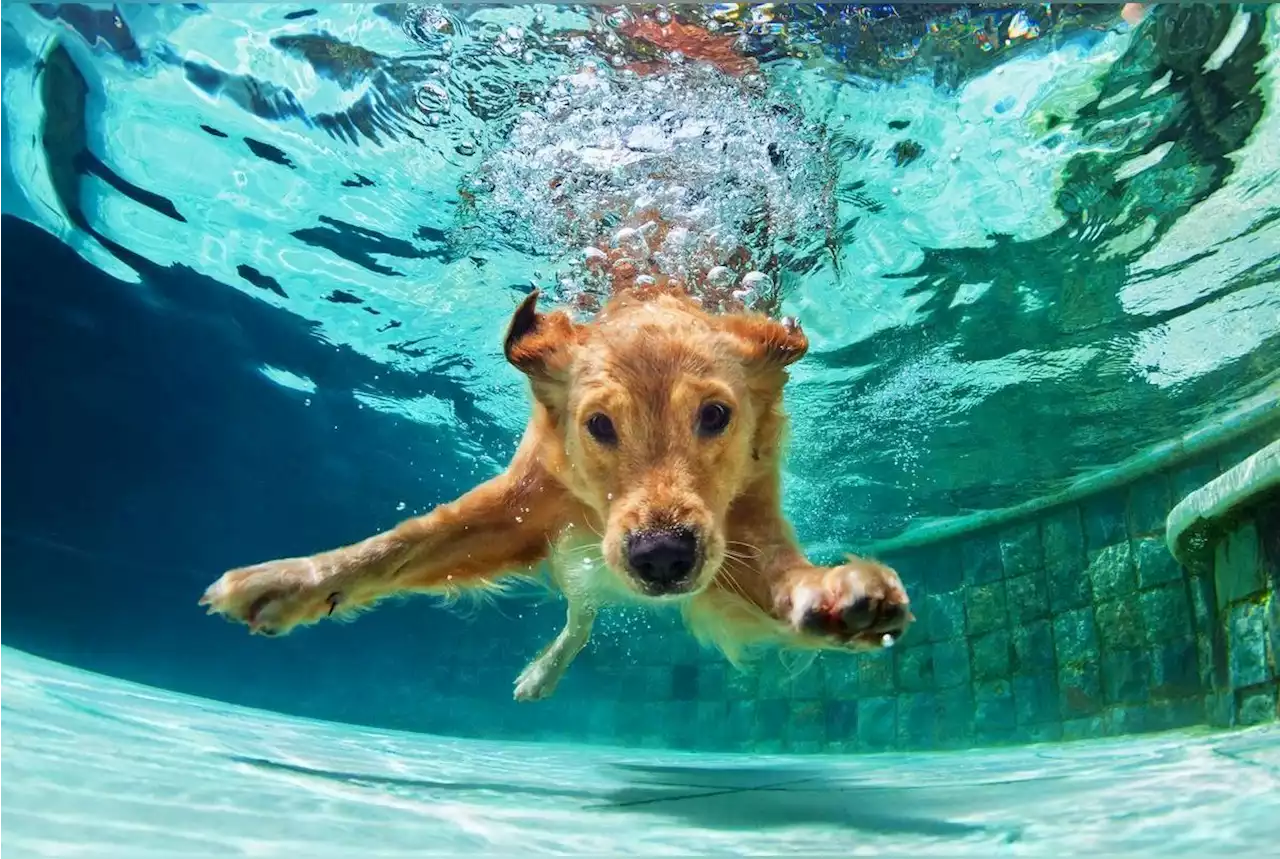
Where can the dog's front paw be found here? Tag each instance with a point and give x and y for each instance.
(274, 597)
(861, 604)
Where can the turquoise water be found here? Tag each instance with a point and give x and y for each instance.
(972, 232)
(260, 261)
(97, 767)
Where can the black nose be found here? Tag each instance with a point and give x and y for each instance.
(662, 558)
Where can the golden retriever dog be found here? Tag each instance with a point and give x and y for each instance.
(649, 472)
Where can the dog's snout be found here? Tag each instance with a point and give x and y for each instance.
(663, 559)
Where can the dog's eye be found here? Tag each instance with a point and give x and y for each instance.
(713, 418)
(601, 429)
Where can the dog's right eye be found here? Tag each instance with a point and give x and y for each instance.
(601, 429)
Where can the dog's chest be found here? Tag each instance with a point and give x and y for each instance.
(577, 563)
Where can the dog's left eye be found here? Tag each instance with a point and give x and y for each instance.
(601, 429)
(713, 418)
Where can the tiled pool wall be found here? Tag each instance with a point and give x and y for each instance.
(1075, 622)
(1236, 575)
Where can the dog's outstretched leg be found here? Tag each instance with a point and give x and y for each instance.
(539, 678)
(499, 528)
(851, 606)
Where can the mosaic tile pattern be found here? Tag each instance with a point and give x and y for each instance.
(96, 767)
(1248, 622)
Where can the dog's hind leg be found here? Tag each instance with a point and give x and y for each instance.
(499, 528)
(539, 678)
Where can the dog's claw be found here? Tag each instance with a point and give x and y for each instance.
(860, 604)
(273, 598)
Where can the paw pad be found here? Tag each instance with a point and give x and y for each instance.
(861, 604)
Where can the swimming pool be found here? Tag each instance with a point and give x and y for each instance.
(260, 263)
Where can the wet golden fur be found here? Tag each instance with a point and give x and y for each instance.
(650, 360)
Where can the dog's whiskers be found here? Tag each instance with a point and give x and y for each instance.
(726, 569)
(580, 551)
(756, 551)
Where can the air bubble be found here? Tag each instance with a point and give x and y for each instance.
(678, 238)
(432, 97)
(666, 164)
(662, 16)
(721, 277)
(632, 242)
(400, 506)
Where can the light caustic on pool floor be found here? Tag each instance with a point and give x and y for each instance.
(94, 766)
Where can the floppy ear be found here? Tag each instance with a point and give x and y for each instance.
(767, 343)
(540, 345)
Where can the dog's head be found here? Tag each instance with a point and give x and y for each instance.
(663, 415)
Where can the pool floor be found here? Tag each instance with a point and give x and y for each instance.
(94, 766)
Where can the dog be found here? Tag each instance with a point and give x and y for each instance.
(649, 472)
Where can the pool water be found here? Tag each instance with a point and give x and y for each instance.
(973, 230)
(260, 261)
(95, 766)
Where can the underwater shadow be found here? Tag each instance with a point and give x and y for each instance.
(754, 797)
(749, 798)
(384, 781)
